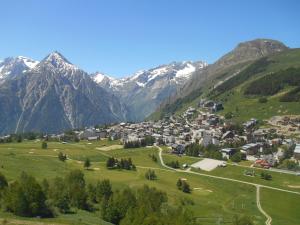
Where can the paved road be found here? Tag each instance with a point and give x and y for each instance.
(271, 169)
(221, 178)
(258, 186)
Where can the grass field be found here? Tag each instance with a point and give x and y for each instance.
(279, 180)
(213, 201)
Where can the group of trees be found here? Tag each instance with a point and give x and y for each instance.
(146, 141)
(212, 151)
(69, 136)
(143, 207)
(289, 164)
(113, 163)
(183, 186)
(173, 164)
(273, 83)
(20, 137)
(236, 157)
(150, 175)
(291, 96)
(266, 176)
(194, 149)
(255, 68)
(26, 197)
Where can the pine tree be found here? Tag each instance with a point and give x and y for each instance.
(87, 163)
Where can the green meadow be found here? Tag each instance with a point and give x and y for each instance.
(213, 201)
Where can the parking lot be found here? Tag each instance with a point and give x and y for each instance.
(208, 164)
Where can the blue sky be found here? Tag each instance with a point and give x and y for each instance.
(119, 37)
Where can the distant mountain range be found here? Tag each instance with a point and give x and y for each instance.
(54, 95)
(240, 78)
(147, 89)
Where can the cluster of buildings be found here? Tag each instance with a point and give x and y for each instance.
(205, 128)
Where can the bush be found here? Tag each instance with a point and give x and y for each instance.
(266, 176)
(183, 186)
(44, 145)
(173, 164)
(237, 157)
(87, 163)
(228, 115)
(153, 157)
(262, 100)
(150, 175)
(3, 182)
(62, 157)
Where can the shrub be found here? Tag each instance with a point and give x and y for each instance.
(62, 157)
(150, 175)
(173, 164)
(44, 145)
(262, 100)
(183, 186)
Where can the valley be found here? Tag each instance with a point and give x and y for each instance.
(213, 199)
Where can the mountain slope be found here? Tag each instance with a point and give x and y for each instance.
(11, 67)
(277, 81)
(145, 90)
(53, 96)
(225, 69)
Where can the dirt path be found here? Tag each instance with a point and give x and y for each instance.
(269, 218)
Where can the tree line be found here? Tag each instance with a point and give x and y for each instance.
(141, 206)
(146, 141)
(113, 163)
(272, 83)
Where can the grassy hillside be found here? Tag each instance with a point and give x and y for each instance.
(275, 77)
(213, 201)
(278, 82)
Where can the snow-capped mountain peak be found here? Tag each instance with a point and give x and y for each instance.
(30, 63)
(177, 72)
(98, 77)
(146, 89)
(57, 62)
(11, 67)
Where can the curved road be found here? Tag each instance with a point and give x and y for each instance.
(269, 218)
(258, 186)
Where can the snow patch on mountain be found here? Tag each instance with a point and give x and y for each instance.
(186, 71)
(28, 62)
(99, 77)
(11, 67)
(177, 72)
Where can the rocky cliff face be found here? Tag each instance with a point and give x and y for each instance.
(54, 96)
